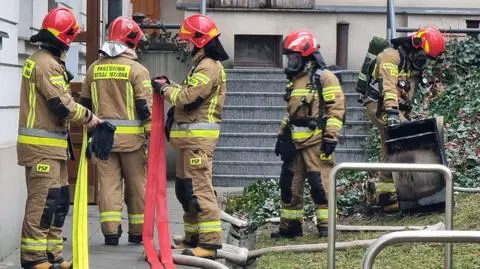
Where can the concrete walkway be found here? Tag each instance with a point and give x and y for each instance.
(125, 255)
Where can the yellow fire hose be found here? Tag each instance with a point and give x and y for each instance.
(80, 211)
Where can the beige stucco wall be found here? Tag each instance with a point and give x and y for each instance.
(323, 25)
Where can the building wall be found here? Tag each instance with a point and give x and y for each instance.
(12, 186)
(401, 3)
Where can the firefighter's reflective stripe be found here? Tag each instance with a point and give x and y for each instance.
(32, 102)
(390, 96)
(31, 244)
(41, 133)
(28, 68)
(210, 226)
(303, 92)
(147, 127)
(291, 214)
(322, 215)
(385, 187)
(58, 80)
(334, 122)
(191, 227)
(147, 83)
(207, 130)
(330, 93)
(40, 137)
(284, 121)
(391, 68)
(175, 92)
(128, 126)
(130, 98)
(213, 105)
(197, 79)
(93, 87)
(54, 244)
(404, 73)
(111, 71)
(79, 112)
(135, 218)
(110, 216)
(224, 75)
(304, 132)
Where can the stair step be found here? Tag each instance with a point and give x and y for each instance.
(270, 139)
(276, 73)
(247, 167)
(277, 112)
(267, 154)
(271, 99)
(262, 126)
(273, 85)
(221, 180)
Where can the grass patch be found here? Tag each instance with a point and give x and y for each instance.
(405, 256)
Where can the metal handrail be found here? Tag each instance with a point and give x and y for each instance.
(388, 167)
(417, 236)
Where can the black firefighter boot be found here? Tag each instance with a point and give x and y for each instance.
(322, 230)
(113, 239)
(293, 229)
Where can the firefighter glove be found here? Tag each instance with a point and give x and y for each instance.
(102, 140)
(328, 145)
(159, 83)
(393, 116)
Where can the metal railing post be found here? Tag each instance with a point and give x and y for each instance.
(387, 167)
(417, 236)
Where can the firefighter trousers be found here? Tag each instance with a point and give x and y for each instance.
(194, 190)
(132, 168)
(385, 185)
(309, 163)
(45, 211)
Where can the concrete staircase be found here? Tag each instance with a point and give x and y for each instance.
(251, 118)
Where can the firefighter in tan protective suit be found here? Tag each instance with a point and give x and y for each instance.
(308, 134)
(119, 89)
(397, 73)
(46, 110)
(198, 105)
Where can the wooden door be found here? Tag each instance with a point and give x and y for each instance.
(76, 132)
(150, 8)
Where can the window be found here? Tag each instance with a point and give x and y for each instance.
(257, 51)
(2, 36)
(52, 4)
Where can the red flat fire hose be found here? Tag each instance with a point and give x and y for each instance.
(156, 193)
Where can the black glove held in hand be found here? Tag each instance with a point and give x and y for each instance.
(158, 83)
(328, 146)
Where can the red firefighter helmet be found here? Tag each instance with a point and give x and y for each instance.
(199, 29)
(430, 40)
(62, 23)
(126, 31)
(302, 42)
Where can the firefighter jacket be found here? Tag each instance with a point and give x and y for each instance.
(398, 80)
(198, 104)
(46, 109)
(305, 117)
(119, 91)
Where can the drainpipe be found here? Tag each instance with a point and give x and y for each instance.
(391, 28)
(203, 7)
